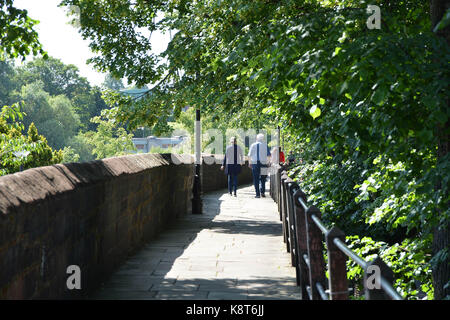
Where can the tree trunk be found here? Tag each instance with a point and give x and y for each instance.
(441, 234)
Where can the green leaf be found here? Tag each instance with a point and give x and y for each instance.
(343, 87)
(444, 22)
(315, 111)
(380, 95)
(336, 51)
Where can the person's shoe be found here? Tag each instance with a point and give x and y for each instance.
(263, 195)
(235, 194)
(257, 197)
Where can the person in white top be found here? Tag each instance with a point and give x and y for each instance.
(259, 157)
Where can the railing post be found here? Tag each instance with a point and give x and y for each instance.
(337, 267)
(271, 182)
(315, 252)
(275, 171)
(278, 186)
(293, 187)
(301, 243)
(289, 183)
(283, 210)
(376, 269)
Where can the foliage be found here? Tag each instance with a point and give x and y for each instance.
(113, 83)
(80, 148)
(56, 99)
(17, 35)
(18, 151)
(408, 260)
(54, 117)
(445, 21)
(69, 155)
(58, 78)
(110, 139)
(7, 84)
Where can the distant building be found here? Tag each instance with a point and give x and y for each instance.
(144, 145)
(136, 93)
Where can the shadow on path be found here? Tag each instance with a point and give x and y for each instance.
(234, 250)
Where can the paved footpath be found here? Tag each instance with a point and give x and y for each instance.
(233, 251)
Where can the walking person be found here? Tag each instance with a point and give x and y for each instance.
(259, 154)
(232, 164)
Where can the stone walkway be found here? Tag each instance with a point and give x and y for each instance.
(233, 251)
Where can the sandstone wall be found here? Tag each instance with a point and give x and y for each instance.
(91, 214)
(213, 178)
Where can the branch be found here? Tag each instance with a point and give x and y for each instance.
(149, 90)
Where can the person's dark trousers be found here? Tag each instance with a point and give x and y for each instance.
(232, 183)
(256, 171)
(263, 183)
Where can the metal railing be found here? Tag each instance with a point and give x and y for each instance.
(304, 235)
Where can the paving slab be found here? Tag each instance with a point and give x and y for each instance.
(233, 251)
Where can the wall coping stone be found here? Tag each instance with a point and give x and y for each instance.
(37, 184)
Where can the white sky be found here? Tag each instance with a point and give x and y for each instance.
(63, 41)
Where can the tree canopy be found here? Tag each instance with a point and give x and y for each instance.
(17, 35)
(42, 95)
(19, 151)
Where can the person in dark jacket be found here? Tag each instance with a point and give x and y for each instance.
(232, 164)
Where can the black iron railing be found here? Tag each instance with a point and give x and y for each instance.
(304, 235)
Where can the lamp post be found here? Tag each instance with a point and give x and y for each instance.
(196, 199)
(278, 142)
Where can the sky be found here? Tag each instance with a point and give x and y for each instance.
(62, 41)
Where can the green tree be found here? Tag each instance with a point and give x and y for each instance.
(109, 140)
(7, 83)
(440, 22)
(80, 147)
(88, 105)
(18, 151)
(113, 83)
(57, 79)
(69, 155)
(36, 104)
(65, 119)
(54, 117)
(17, 35)
(19, 39)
